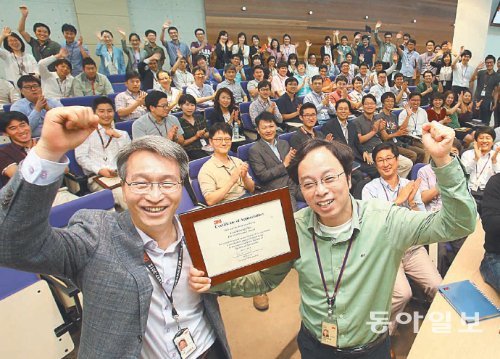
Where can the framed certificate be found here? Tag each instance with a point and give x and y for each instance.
(236, 238)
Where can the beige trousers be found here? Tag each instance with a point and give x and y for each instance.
(404, 166)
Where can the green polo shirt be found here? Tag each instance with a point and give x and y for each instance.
(383, 233)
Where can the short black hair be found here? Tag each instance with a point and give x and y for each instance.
(172, 28)
(258, 67)
(107, 31)
(132, 34)
(363, 64)
(102, 100)
(69, 28)
(153, 98)
(381, 72)
(199, 29)
(490, 57)
(235, 55)
(341, 78)
(412, 41)
(6, 42)
(305, 106)
(262, 84)
(291, 79)
(62, 61)
(282, 64)
(388, 33)
(378, 62)
(358, 79)
(132, 75)
(220, 127)
(385, 146)
(36, 25)
(465, 53)
(485, 130)
(264, 116)
(88, 61)
(437, 96)
(198, 68)
(229, 67)
(413, 94)
(7, 117)
(367, 96)
(427, 72)
(187, 98)
(322, 67)
(431, 41)
(343, 100)
(27, 78)
(149, 31)
(198, 58)
(342, 152)
(316, 77)
(399, 74)
(387, 95)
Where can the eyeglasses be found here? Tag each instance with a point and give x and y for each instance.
(221, 140)
(327, 181)
(387, 159)
(146, 187)
(32, 87)
(163, 106)
(309, 115)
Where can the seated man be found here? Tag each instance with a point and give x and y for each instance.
(258, 76)
(490, 216)
(346, 133)
(324, 107)
(308, 114)
(180, 73)
(393, 132)
(332, 69)
(263, 103)
(428, 88)
(97, 155)
(229, 74)
(16, 125)
(202, 92)
(270, 157)
(235, 60)
(379, 66)
(400, 90)
(130, 103)
(158, 122)
(328, 85)
(33, 104)
(288, 103)
(404, 193)
(432, 199)
(89, 82)
(380, 88)
(345, 70)
(278, 86)
(56, 84)
(340, 90)
(8, 93)
(211, 74)
(413, 117)
(149, 70)
(369, 134)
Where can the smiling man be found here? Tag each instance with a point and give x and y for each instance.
(113, 256)
(351, 250)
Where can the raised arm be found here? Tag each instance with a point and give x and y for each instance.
(22, 23)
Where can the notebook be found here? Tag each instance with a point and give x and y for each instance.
(467, 300)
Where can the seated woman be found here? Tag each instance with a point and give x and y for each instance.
(271, 67)
(481, 162)
(292, 65)
(112, 61)
(225, 109)
(223, 178)
(461, 133)
(164, 84)
(468, 110)
(194, 127)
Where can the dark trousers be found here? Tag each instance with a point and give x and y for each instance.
(458, 89)
(485, 111)
(311, 348)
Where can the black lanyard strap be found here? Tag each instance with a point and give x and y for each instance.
(331, 299)
(104, 146)
(152, 268)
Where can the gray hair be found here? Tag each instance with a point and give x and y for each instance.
(155, 144)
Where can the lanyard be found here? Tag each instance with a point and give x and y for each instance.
(484, 167)
(157, 128)
(92, 83)
(20, 66)
(152, 268)
(385, 191)
(104, 146)
(63, 88)
(331, 300)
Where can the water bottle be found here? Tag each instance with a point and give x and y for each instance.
(236, 131)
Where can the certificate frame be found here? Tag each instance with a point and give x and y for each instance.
(189, 219)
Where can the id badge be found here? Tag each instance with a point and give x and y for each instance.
(203, 142)
(483, 93)
(184, 343)
(329, 332)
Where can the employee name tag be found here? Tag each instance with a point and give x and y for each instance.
(184, 343)
(483, 93)
(329, 333)
(203, 142)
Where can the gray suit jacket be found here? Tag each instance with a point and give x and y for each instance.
(269, 170)
(101, 252)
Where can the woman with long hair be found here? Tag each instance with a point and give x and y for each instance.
(241, 48)
(222, 50)
(134, 52)
(17, 61)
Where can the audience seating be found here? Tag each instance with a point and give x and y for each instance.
(125, 126)
(244, 87)
(243, 154)
(6, 108)
(79, 101)
(244, 107)
(76, 173)
(414, 170)
(186, 203)
(116, 78)
(194, 170)
(247, 123)
(208, 114)
(286, 136)
(119, 87)
(248, 73)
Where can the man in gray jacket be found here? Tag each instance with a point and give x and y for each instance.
(132, 267)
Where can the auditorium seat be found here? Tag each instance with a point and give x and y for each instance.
(286, 136)
(186, 203)
(119, 87)
(79, 101)
(247, 122)
(244, 87)
(116, 78)
(208, 114)
(125, 126)
(243, 154)
(414, 170)
(76, 173)
(244, 107)
(194, 170)
(6, 108)
(248, 72)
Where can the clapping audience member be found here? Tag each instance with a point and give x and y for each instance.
(242, 49)
(263, 103)
(231, 84)
(222, 50)
(180, 73)
(112, 61)
(225, 109)
(201, 47)
(130, 103)
(33, 104)
(164, 84)
(195, 128)
(258, 76)
(202, 92)
(89, 82)
(56, 84)
(324, 107)
(97, 154)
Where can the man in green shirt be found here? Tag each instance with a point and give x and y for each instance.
(373, 235)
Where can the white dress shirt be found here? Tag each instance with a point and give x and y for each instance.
(417, 120)
(52, 85)
(480, 171)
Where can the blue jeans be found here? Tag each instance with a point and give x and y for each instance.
(311, 348)
(490, 270)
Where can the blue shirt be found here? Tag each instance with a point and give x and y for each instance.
(368, 53)
(172, 50)
(409, 62)
(35, 118)
(75, 56)
(111, 64)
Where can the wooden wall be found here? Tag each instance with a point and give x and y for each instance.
(435, 18)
